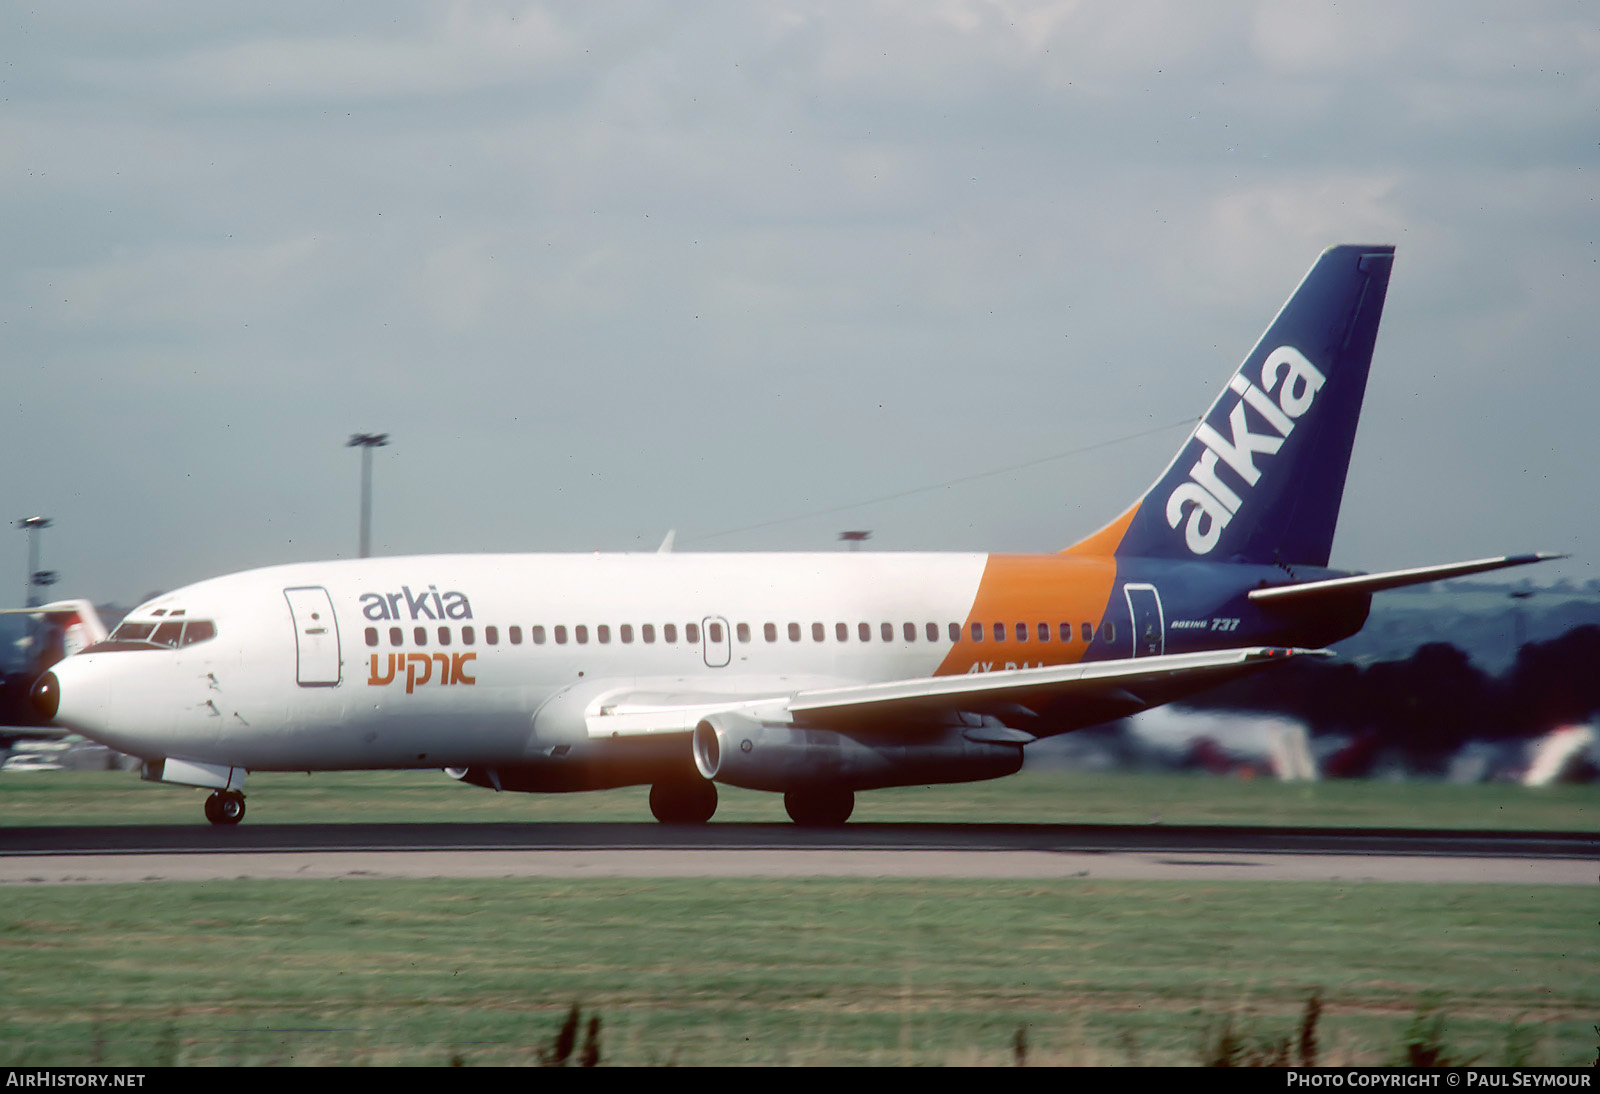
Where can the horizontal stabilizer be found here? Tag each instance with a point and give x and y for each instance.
(1363, 584)
(78, 622)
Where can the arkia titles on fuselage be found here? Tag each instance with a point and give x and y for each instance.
(811, 675)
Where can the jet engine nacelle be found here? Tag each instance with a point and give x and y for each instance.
(740, 751)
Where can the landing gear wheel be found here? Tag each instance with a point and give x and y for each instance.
(820, 806)
(225, 807)
(684, 802)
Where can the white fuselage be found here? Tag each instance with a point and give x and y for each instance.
(478, 659)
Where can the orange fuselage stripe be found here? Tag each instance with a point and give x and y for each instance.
(1105, 542)
(1029, 590)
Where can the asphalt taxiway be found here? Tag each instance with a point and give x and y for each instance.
(68, 854)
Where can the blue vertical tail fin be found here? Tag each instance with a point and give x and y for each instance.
(1261, 477)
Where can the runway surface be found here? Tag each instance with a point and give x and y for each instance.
(35, 855)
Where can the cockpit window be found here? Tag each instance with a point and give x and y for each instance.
(149, 636)
(198, 630)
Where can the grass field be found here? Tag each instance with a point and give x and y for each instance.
(1042, 797)
(823, 972)
(796, 972)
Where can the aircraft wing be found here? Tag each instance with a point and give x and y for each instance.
(1095, 691)
(1392, 579)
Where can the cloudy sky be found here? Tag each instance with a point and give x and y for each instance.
(602, 270)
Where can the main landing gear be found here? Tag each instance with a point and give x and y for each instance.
(685, 802)
(225, 807)
(820, 806)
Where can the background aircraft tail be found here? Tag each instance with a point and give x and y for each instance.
(1261, 477)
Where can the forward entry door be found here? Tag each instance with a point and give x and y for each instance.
(1144, 608)
(316, 637)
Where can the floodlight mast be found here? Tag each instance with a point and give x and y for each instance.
(37, 578)
(366, 442)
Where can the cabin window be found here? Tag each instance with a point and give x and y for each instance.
(910, 631)
(933, 632)
(794, 632)
(669, 632)
(1022, 632)
(714, 632)
(515, 634)
(955, 632)
(864, 631)
(691, 632)
(743, 631)
(887, 630)
(999, 632)
(537, 634)
(372, 636)
(491, 635)
(1108, 631)
(444, 636)
(770, 632)
(841, 631)
(561, 635)
(396, 636)
(468, 636)
(1044, 632)
(818, 632)
(603, 633)
(581, 633)
(1087, 630)
(648, 633)
(419, 636)
(977, 632)
(625, 632)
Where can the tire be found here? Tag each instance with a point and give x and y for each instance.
(820, 807)
(229, 807)
(684, 802)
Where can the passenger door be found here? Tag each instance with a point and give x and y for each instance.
(1144, 609)
(316, 637)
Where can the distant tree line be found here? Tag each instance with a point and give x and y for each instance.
(1433, 702)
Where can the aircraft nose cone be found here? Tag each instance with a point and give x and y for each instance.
(46, 696)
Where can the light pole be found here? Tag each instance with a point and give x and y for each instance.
(366, 442)
(37, 578)
(1518, 624)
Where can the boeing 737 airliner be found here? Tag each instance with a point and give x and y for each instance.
(810, 675)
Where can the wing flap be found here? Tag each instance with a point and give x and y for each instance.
(1098, 690)
(1108, 688)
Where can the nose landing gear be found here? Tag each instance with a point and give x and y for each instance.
(225, 807)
